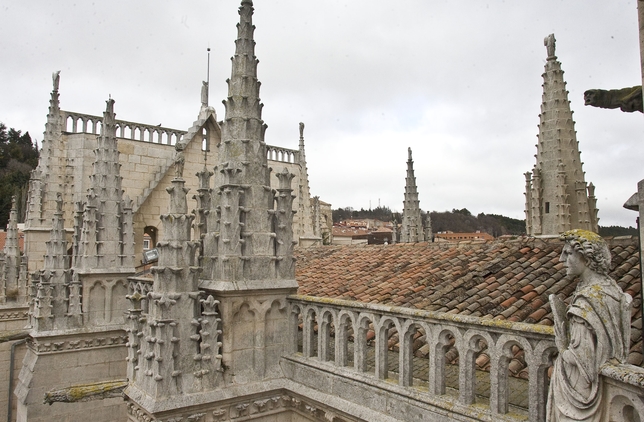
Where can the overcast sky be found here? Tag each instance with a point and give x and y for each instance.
(458, 82)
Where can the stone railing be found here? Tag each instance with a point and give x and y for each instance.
(283, 155)
(85, 123)
(366, 328)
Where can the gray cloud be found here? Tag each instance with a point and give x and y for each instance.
(458, 82)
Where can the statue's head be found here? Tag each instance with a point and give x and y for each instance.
(592, 247)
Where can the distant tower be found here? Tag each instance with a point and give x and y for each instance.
(557, 197)
(412, 222)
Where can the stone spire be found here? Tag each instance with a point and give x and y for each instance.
(48, 178)
(412, 223)
(13, 287)
(306, 227)
(557, 197)
(107, 234)
(240, 244)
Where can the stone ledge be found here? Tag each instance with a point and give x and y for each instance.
(390, 397)
(628, 374)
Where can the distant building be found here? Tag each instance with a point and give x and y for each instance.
(349, 235)
(450, 236)
(380, 237)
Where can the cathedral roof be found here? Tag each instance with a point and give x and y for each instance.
(501, 279)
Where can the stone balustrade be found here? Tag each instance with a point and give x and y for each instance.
(86, 123)
(283, 155)
(468, 335)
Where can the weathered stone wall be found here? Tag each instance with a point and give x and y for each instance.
(11, 320)
(5, 362)
(66, 361)
(146, 169)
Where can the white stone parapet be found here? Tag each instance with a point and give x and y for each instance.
(318, 350)
(283, 155)
(440, 329)
(86, 123)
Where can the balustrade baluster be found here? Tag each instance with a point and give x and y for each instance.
(341, 343)
(360, 345)
(324, 337)
(382, 351)
(308, 334)
(406, 358)
(499, 382)
(294, 330)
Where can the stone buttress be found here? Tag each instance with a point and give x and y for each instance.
(77, 333)
(557, 197)
(412, 222)
(173, 348)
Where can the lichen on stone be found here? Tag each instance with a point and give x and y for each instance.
(86, 392)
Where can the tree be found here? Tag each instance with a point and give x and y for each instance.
(18, 157)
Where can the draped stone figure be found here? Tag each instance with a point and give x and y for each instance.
(549, 42)
(179, 160)
(204, 94)
(593, 329)
(55, 77)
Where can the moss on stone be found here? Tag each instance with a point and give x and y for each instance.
(86, 392)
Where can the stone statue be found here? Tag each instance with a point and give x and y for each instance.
(626, 99)
(593, 329)
(204, 94)
(56, 79)
(301, 130)
(549, 42)
(179, 160)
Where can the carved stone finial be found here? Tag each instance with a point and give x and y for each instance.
(56, 79)
(109, 117)
(409, 153)
(110, 106)
(549, 42)
(301, 130)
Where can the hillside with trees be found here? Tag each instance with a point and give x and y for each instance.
(18, 157)
(462, 221)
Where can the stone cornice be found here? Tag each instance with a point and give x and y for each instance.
(14, 314)
(50, 344)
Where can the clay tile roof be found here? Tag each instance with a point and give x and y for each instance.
(21, 240)
(502, 279)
